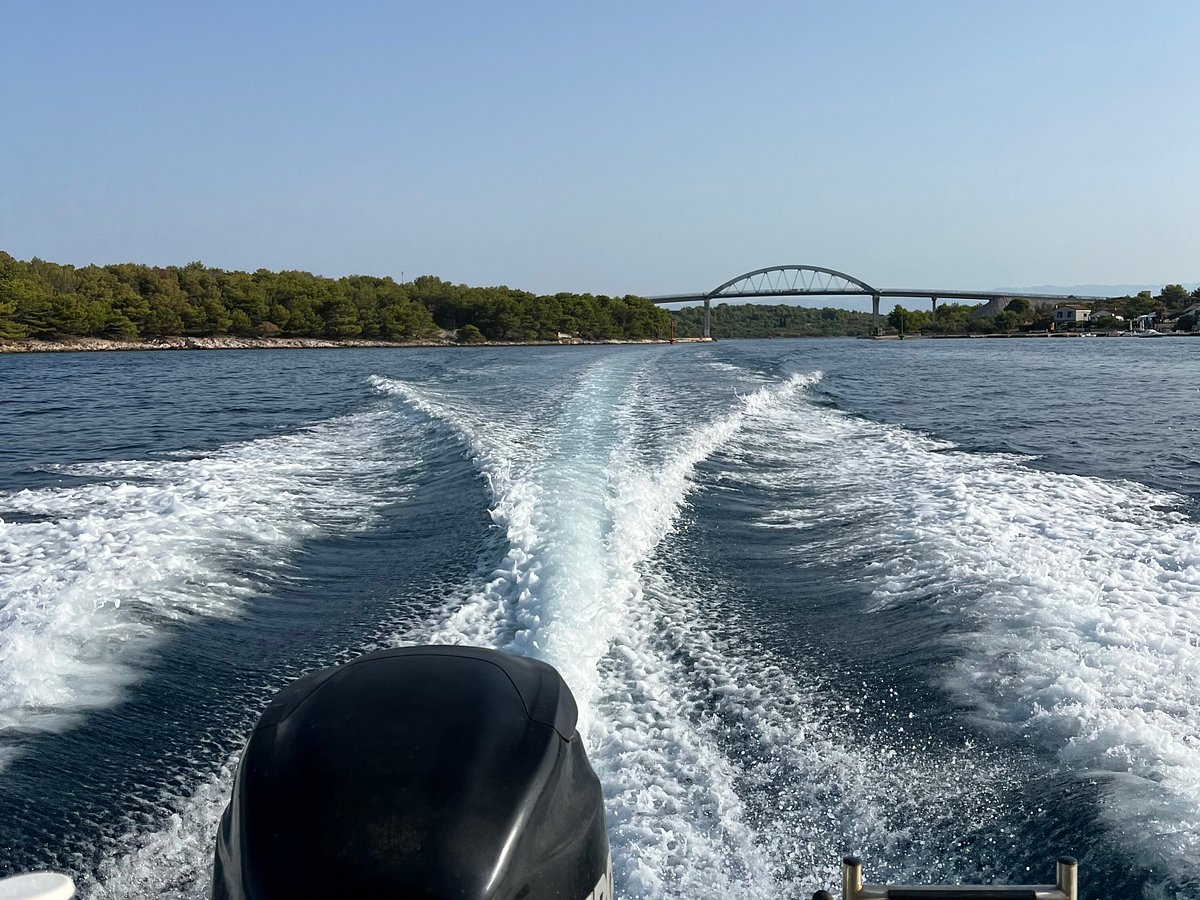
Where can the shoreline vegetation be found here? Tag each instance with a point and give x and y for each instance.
(48, 307)
(1174, 309)
(138, 304)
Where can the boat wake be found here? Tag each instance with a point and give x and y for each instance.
(1069, 605)
(584, 588)
(93, 573)
(1063, 608)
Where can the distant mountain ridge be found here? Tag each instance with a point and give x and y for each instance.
(1097, 290)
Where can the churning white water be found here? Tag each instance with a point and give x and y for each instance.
(585, 512)
(93, 573)
(1075, 600)
(1057, 615)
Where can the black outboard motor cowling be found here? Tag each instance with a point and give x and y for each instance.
(423, 772)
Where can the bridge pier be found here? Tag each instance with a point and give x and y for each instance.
(933, 313)
(707, 319)
(875, 314)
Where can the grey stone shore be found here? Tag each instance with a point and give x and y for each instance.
(75, 345)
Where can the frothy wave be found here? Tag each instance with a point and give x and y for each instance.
(1072, 603)
(91, 574)
(580, 512)
(692, 810)
(728, 772)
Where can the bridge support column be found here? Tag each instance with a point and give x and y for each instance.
(875, 314)
(933, 313)
(707, 319)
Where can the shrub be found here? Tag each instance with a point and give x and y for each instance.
(469, 334)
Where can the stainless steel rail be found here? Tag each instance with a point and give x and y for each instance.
(1066, 887)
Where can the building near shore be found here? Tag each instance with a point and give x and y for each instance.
(1071, 314)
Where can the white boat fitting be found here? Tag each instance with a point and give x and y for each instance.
(37, 886)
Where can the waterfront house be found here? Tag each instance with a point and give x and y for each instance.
(1070, 315)
(1105, 314)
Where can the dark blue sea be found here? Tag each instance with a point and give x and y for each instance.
(936, 603)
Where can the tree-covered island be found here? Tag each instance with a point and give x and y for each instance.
(47, 301)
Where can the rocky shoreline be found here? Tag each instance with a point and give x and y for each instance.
(76, 345)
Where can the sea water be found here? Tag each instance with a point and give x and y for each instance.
(933, 603)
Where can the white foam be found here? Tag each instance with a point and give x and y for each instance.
(174, 862)
(1074, 602)
(92, 581)
(584, 516)
(581, 514)
(725, 367)
(725, 773)
(801, 776)
(580, 511)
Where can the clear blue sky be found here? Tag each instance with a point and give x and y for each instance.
(617, 147)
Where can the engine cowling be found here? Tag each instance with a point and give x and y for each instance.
(421, 772)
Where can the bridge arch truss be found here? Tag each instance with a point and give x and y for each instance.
(791, 280)
(818, 281)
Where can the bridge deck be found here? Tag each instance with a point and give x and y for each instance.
(819, 281)
(924, 293)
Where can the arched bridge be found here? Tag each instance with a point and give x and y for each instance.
(817, 281)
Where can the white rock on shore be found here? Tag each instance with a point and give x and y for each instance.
(198, 343)
(77, 344)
